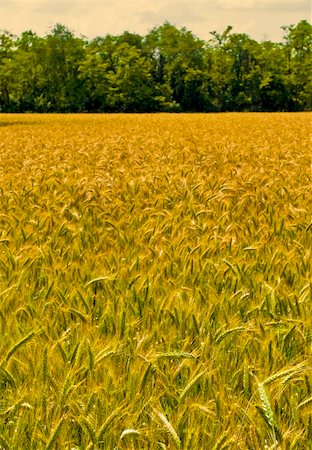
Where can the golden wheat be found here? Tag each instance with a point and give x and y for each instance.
(155, 281)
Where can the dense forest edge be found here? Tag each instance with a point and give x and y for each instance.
(169, 70)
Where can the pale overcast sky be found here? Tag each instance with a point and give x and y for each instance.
(261, 19)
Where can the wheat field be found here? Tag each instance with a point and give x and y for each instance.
(155, 281)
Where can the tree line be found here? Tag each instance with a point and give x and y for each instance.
(169, 69)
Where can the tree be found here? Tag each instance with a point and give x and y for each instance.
(273, 92)
(7, 44)
(63, 56)
(178, 67)
(221, 74)
(169, 69)
(298, 54)
(130, 81)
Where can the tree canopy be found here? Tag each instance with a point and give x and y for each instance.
(169, 69)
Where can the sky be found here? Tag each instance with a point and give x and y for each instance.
(260, 19)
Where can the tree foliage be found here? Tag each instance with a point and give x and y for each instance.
(169, 69)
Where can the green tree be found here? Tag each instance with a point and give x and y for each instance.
(130, 86)
(221, 64)
(28, 77)
(64, 53)
(273, 92)
(298, 54)
(178, 67)
(169, 69)
(244, 93)
(93, 74)
(7, 68)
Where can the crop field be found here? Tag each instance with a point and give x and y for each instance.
(155, 282)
